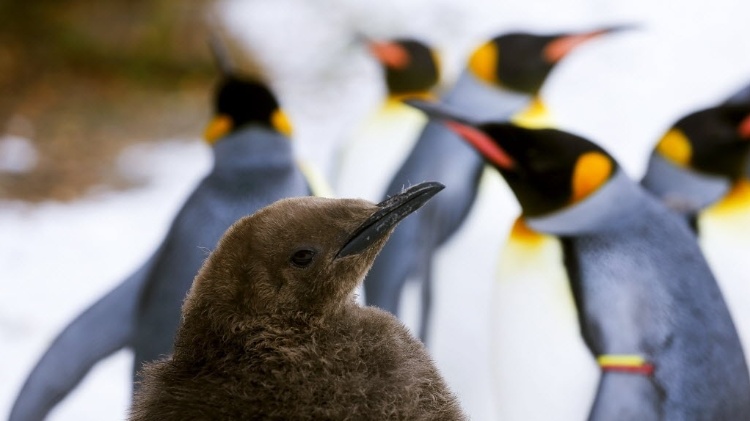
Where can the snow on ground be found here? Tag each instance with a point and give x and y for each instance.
(621, 91)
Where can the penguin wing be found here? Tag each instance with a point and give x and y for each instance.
(105, 327)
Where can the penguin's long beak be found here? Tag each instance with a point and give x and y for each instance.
(468, 131)
(564, 44)
(391, 212)
(390, 54)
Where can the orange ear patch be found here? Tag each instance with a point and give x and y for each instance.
(281, 122)
(391, 54)
(483, 63)
(675, 147)
(217, 128)
(744, 127)
(591, 171)
(482, 143)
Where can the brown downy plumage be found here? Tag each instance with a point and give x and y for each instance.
(271, 329)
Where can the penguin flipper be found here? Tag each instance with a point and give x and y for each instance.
(105, 327)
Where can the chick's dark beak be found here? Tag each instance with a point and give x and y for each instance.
(391, 211)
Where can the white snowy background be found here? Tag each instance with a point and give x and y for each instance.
(621, 91)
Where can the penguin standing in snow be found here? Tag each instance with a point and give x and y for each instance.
(700, 169)
(253, 167)
(271, 328)
(411, 69)
(649, 310)
(503, 80)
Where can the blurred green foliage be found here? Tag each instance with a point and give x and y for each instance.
(142, 40)
(88, 78)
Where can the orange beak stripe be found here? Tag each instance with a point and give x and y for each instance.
(562, 46)
(744, 128)
(390, 54)
(484, 144)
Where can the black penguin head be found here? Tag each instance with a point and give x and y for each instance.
(411, 67)
(521, 61)
(547, 169)
(300, 255)
(239, 102)
(714, 141)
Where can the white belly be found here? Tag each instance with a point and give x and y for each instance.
(372, 156)
(543, 370)
(725, 241)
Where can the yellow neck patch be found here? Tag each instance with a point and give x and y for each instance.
(217, 128)
(591, 171)
(281, 122)
(737, 200)
(423, 95)
(521, 233)
(535, 116)
(483, 63)
(675, 147)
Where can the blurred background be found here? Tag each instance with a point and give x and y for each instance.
(102, 106)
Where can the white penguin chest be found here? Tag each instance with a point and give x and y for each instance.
(373, 155)
(725, 240)
(543, 369)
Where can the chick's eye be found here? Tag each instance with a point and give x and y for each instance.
(303, 257)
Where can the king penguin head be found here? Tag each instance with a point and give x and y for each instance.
(547, 169)
(521, 61)
(299, 256)
(411, 67)
(239, 101)
(713, 141)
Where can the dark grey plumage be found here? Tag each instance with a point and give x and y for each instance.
(643, 287)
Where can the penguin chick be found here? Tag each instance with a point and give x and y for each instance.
(502, 80)
(271, 329)
(410, 69)
(649, 308)
(253, 167)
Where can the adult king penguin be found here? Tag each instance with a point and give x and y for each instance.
(271, 328)
(649, 309)
(410, 69)
(700, 169)
(502, 80)
(253, 167)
